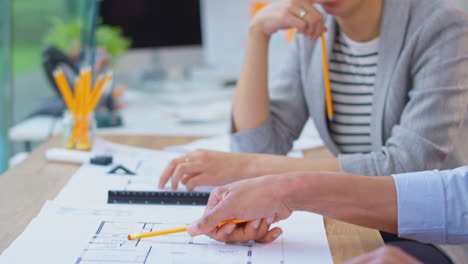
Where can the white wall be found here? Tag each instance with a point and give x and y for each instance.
(462, 3)
(225, 25)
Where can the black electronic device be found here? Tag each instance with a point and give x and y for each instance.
(158, 197)
(152, 24)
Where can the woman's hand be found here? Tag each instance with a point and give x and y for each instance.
(204, 167)
(259, 199)
(286, 14)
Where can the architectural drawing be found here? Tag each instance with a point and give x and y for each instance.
(110, 245)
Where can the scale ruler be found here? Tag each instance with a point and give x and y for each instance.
(153, 197)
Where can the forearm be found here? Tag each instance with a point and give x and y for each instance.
(264, 164)
(251, 105)
(360, 200)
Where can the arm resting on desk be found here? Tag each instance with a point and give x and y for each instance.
(366, 201)
(429, 206)
(360, 200)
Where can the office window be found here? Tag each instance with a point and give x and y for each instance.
(5, 88)
(31, 21)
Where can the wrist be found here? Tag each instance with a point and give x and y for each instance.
(302, 191)
(256, 32)
(253, 163)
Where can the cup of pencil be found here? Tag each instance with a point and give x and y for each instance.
(81, 103)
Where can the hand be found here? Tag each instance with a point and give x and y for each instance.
(385, 255)
(285, 14)
(259, 199)
(209, 168)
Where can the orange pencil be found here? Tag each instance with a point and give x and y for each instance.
(326, 78)
(177, 230)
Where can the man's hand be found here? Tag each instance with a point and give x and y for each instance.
(259, 199)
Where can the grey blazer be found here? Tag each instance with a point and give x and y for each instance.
(419, 117)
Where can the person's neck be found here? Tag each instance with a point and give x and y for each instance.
(363, 24)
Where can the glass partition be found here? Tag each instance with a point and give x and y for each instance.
(32, 21)
(5, 81)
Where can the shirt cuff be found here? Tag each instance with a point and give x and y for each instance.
(421, 206)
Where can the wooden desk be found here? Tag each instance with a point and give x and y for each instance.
(24, 189)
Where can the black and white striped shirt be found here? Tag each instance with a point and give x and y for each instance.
(353, 68)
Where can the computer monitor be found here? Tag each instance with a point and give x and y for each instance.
(153, 23)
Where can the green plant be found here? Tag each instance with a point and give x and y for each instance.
(67, 36)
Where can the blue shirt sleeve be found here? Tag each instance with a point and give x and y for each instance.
(433, 206)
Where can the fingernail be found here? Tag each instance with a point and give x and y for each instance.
(277, 233)
(256, 223)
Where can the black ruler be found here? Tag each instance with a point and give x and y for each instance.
(149, 197)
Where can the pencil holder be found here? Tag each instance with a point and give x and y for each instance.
(78, 131)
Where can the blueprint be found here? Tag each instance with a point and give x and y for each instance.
(99, 236)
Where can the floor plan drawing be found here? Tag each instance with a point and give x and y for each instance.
(110, 245)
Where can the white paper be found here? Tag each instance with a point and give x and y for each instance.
(90, 184)
(95, 238)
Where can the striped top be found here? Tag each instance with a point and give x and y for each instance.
(353, 68)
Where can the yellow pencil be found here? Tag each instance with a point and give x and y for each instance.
(326, 78)
(87, 75)
(98, 93)
(177, 230)
(98, 83)
(64, 89)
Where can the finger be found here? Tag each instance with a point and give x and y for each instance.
(216, 196)
(318, 30)
(311, 17)
(195, 180)
(166, 174)
(223, 234)
(315, 19)
(270, 220)
(255, 230)
(246, 232)
(292, 21)
(218, 210)
(186, 178)
(324, 30)
(262, 229)
(183, 169)
(271, 235)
